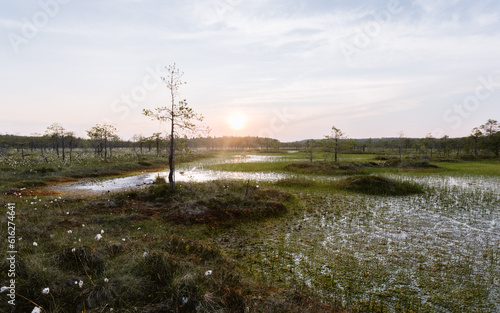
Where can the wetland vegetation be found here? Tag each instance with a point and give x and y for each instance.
(370, 233)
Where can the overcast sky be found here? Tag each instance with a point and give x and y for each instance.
(292, 68)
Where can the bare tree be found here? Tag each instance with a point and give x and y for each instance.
(102, 135)
(57, 132)
(181, 117)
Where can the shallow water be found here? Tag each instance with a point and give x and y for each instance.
(193, 172)
(439, 245)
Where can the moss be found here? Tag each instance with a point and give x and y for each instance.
(295, 182)
(330, 168)
(377, 185)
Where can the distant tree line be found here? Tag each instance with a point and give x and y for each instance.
(484, 141)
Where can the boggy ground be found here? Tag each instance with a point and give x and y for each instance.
(297, 245)
(151, 251)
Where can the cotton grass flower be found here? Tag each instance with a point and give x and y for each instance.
(144, 254)
(35, 244)
(70, 231)
(102, 231)
(36, 310)
(209, 272)
(3, 289)
(98, 237)
(106, 280)
(73, 250)
(80, 284)
(46, 291)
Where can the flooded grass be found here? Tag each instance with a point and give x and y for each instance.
(377, 185)
(330, 250)
(433, 252)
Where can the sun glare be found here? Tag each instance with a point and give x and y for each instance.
(236, 121)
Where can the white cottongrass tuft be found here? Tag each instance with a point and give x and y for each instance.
(80, 284)
(46, 291)
(36, 310)
(3, 289)
(70, 231)
(102, 231)
(106, 280)
(98, 237)
(73, 250)
(123, 239)
(144, 254)
(209, 272)
(35, 244)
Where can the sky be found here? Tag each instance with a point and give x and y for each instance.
(286, 69)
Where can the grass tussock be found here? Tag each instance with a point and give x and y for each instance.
(216, 204)
(377, 185)
(129, 253)
(409, 164)
(328, 168)
(295, 182)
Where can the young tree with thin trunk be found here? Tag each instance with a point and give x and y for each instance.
(335, 138)
(181, 117)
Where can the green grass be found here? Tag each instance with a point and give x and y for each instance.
(33, 171)
(296, 245)
(275, 166)
(146, 260)
(483, 167)
(377, 185)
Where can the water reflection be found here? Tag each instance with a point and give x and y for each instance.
(188, 173)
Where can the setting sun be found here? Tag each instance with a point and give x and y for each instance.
(236, 121)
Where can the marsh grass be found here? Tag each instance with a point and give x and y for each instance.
(34, 171)
(330, 251)
(378, 185)
(384, 254)
(145, 261)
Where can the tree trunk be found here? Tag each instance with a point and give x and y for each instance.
(171, 178)
(105, 149)
(44, 154)
(62, 146)
(70, 150)
(336, 149)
